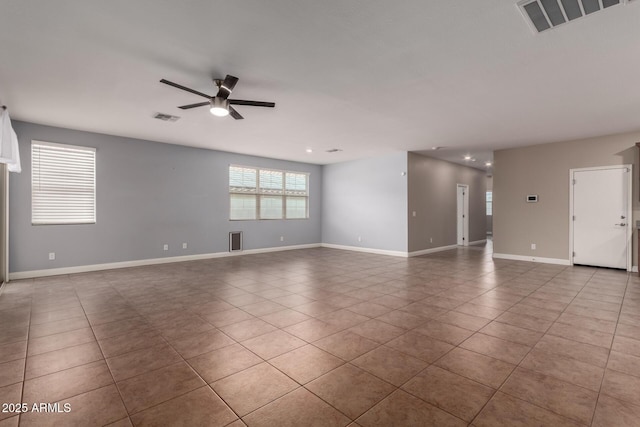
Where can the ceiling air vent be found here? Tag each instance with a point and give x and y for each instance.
(334, 150)
(545, 14)
(166, 117)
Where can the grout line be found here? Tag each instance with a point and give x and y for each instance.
(531, 349)
(604, 372)
(104, 359)
(26, 356)
(183, 360)
(405, 271)
(356, 367)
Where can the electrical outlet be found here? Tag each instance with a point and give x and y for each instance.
(184, 246)
(52, 256)
(430, 239)
(359, 238)
(533, 246)
(165, 247)
(414, 213)
(282, 238)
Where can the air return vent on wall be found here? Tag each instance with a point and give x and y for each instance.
(235, 241)
(545, 14)
(166, 117)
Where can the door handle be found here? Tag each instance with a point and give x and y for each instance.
(621, 224)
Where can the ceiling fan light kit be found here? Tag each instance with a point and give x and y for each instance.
(220, 104)
(219, 107)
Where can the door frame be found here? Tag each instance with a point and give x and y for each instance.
(465, 212)
(629, 208)
(4, 226)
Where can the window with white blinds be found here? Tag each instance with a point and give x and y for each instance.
(256, 193)
(63, 184)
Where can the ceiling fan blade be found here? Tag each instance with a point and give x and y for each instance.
(233, 113)
(227, 86)
(199, 104)
(252, 103)
(176, 85)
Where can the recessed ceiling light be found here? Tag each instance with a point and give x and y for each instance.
(488, 163)
(309, 150)
(467, 157)
(436, 148)
(473, 160)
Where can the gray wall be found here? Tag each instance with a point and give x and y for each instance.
(148, 194)
(366, 198)
(433, 196)
(544, 170)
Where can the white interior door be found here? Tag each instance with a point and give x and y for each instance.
(463, 214)
(601, 216)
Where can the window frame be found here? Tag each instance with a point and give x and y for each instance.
(283, 193)
(488, 198)
(36, 174)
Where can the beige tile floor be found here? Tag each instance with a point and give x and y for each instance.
(322, 337)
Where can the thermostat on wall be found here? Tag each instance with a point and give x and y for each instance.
(532, 198)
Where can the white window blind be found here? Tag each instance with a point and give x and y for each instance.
(296, 183)
(243, 184)
(242, 180)
(296, 207)
(63, 184)
(270, 207)
(270, 182)
(243, 206)
(256, 193)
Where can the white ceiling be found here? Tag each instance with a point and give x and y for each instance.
(368, 77)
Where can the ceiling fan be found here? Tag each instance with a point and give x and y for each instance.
(220, 104)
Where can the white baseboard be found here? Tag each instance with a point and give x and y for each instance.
(367, 250)
(272, 249)
(478, 242)
(432, 250)
(634, 269)
(557, 261)
(142, 262)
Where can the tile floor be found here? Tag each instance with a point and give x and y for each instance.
(322, 337)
